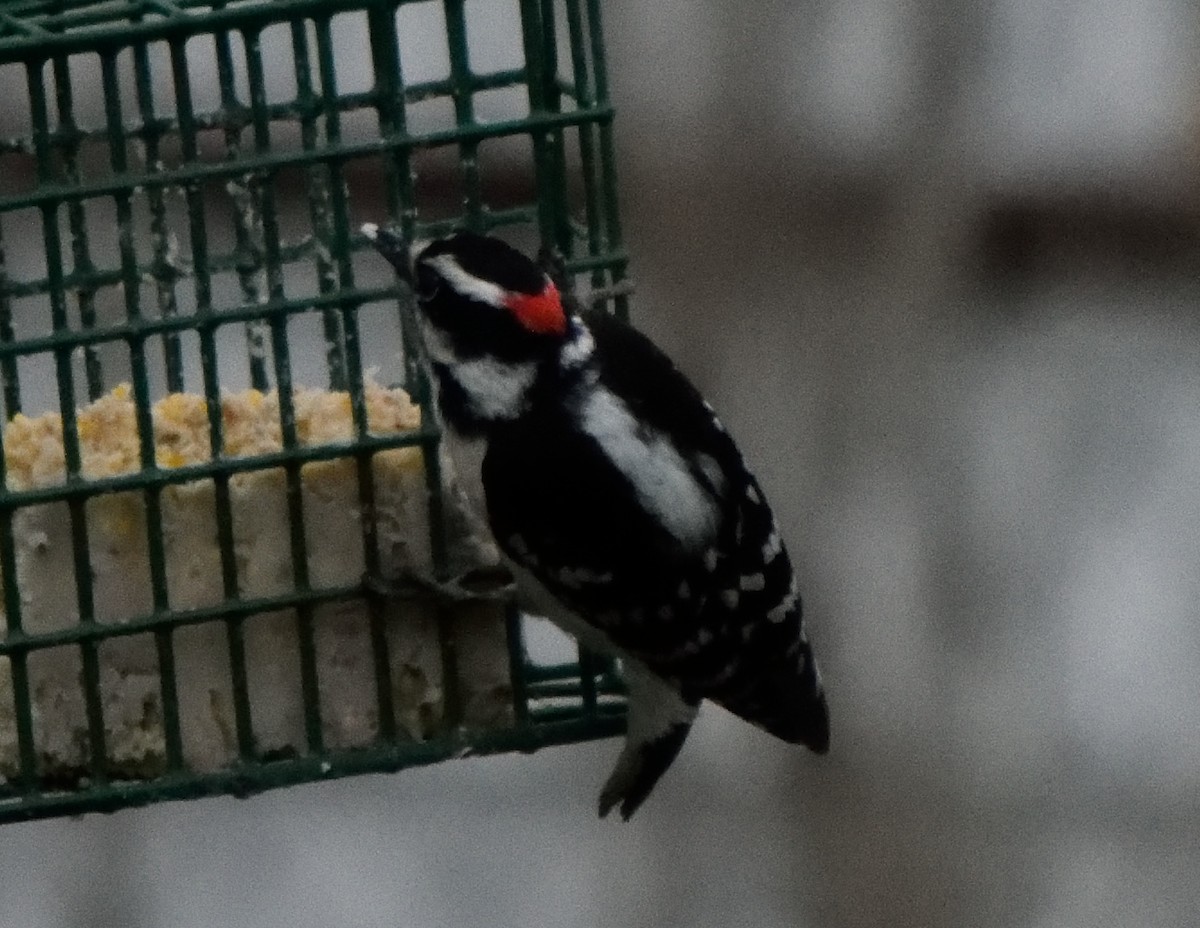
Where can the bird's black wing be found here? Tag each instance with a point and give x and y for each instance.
(722, 616)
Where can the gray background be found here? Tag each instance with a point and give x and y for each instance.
(936, 267)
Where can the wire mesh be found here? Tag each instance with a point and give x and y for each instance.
(179, 187)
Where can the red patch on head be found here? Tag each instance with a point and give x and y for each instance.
(539, 312)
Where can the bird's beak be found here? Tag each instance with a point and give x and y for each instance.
(391, 245)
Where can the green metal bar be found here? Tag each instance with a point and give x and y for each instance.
(76, 221)
(250, 779)
(162, 6)
(339, 243)
(145, 425)
(608, 157)
(319, 182)
(587, 142)
(21, 642)
(556, 714)
(18, 665)
(439, 550)
(461, 84)
(544, 673)
(102, 277)
(402, 204)
(288, 110)
(66, 401)
(461, 80)
(579, 688)
(547, 74)
(247, 213)
(281, 354)
(166, 262)
(587, 680)
(539, 136)
(21, 26)
(125, 331)
(401, 198)
(518, 215)
(201, 322)
(575, 701)
(518, 662)
(464, 110)
(220, 469)
(389, 97)
(9, 380)
(88, 28)
(380, 649)
(49, 192)
(86, 489)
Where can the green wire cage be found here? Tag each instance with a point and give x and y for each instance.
(181, 185)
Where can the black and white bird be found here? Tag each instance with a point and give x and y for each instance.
(621, 505)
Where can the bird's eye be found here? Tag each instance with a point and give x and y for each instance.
(428, 282)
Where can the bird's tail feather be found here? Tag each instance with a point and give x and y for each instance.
(788, 702)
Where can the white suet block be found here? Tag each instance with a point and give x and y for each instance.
(118, 546)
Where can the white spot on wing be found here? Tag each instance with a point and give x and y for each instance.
(684, 591)
(752, 494)
(780, 612)
(575, 577)
(771, 547)
(661, 478)
(465, 284)
(753, 582)
(730, 598)
(710, 560)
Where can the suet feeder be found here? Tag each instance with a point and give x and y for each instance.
(217, 457)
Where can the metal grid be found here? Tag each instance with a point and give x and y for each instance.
(120, 129)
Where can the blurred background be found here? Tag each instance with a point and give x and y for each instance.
(936, 265)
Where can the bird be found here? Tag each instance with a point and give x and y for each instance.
(617, 499)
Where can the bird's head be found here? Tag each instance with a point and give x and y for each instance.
(492, 321)
(478, 297)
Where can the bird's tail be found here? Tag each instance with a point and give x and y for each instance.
(788, 701)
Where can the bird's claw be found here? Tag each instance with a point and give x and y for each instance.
(639, 768)
(481, 584)
(618, 788)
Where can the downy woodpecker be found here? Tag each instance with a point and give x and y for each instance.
(617, 499)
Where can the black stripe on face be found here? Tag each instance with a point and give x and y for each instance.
(473, 327)
(492, 260)
(476, 330)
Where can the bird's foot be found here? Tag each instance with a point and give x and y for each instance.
(639, 768)
(659, 719)
(480, 584)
